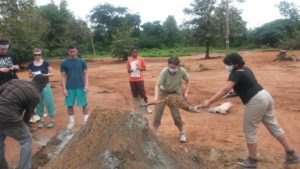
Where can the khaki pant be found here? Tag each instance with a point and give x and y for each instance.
(159, 110)
(260, 108)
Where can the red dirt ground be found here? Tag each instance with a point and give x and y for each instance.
(215, 138)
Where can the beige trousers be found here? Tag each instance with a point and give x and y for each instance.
(260, 108)
(159, 110)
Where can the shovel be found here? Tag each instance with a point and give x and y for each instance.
(176, 101)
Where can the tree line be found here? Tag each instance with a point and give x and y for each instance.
(114, 29)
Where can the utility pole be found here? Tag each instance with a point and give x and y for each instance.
(92, 41)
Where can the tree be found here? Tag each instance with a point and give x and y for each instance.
(289, 10)
(64, 29)
(122, 43)
(107, 20)
(171, 32)
(237, 26)
(270, 34)
(292, 12)
(227, 19)
(79, 34)
(21, 23)
(203, 21)
(151, 35)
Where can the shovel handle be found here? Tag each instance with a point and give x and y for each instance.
(153, 103)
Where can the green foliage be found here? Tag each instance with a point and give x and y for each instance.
(237, 26)
(289, 10)
(204, 21)
(64, 29)
(166, 52)
(108, 20)
(208, 25)
(272, 33)
(152, 35)
(122, 43)
(114, 30)
(292, 12)
(292, 43)
(49, 27)
(171, 35)
(21, 23)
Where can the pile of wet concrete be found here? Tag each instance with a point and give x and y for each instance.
(111, 139)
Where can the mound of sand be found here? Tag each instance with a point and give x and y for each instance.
(114, 139)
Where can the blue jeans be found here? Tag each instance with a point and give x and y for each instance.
(22, 134)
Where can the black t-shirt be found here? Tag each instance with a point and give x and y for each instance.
(8, 60)
(42, 69)
(246, 85)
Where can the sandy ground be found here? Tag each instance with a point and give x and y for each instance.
(211, 136)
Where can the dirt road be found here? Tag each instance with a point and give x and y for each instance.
(216, 138)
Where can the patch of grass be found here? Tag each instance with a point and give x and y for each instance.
(166, 52)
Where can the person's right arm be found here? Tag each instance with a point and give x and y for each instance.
(50, 71)
(5, 70)
(128, 67)
(63, 83)
(220, 93)
(33, 102)
(63, 78)
(157, 85)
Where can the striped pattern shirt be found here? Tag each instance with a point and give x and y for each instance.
(18, 99)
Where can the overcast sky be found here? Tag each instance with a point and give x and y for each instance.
(254, 12)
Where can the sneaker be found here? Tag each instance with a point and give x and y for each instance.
(248, 163)
(291, 158)
(182, 137)
(70, 126)
(51, 124)
(41, 124)
(85, 119)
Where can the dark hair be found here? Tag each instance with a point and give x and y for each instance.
(4, 42)
(173, 60)
(40, 81)
(133, 48)
(71, 47)
(234, 59)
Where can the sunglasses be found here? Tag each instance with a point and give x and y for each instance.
(37, 54)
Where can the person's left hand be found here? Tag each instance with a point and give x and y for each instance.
(14, 67)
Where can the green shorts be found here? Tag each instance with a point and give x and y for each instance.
(76, 94)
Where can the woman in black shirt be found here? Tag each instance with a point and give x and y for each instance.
(258, 108)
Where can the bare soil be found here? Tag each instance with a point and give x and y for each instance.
(216, 139)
